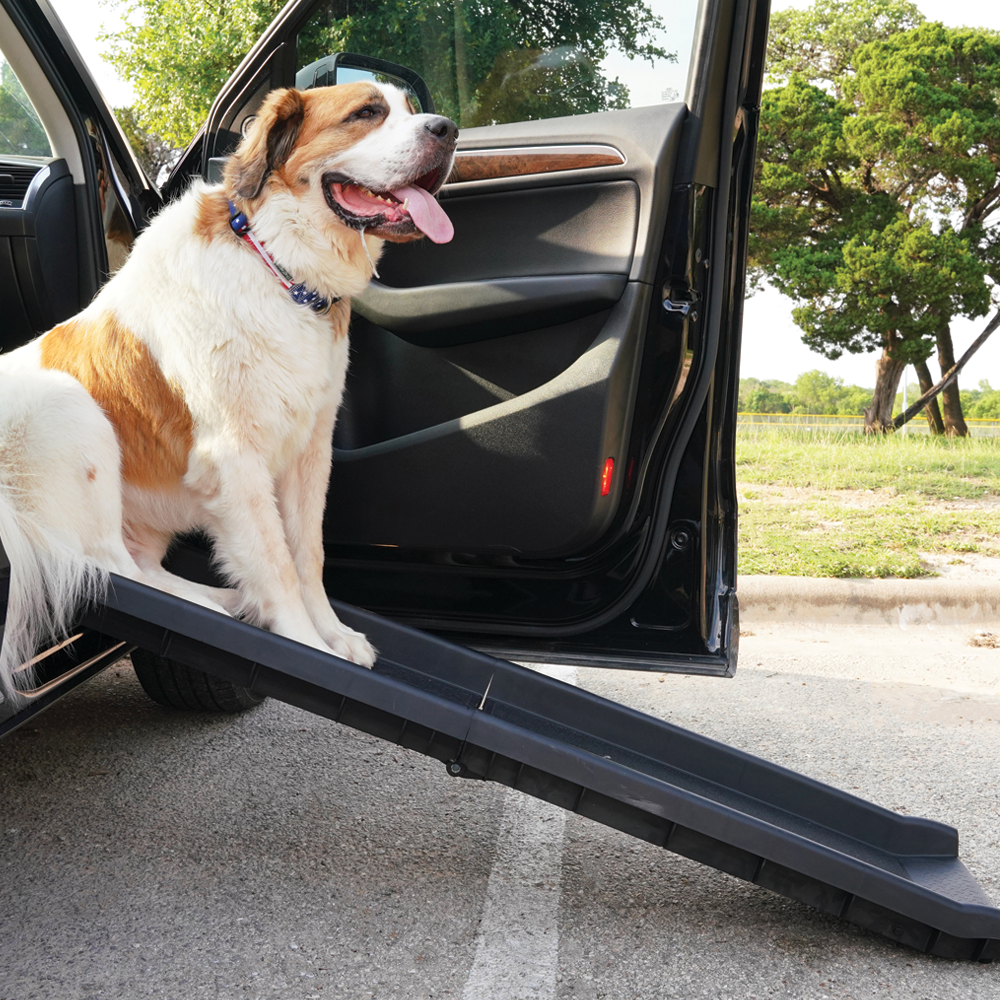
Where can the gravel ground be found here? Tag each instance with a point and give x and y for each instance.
(277, 855)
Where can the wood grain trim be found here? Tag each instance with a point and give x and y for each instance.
(486, 164)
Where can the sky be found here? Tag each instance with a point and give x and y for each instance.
(83, 20)
(772, 345)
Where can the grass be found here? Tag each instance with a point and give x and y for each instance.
(944, 468)
(842, 505)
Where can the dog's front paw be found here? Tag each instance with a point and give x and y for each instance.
(352, 646)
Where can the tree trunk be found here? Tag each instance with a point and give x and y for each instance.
(932, 411)
(949, 376)
(878, 416)
(954, 422)
(461, 71)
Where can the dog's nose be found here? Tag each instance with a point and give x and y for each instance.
(442, 128)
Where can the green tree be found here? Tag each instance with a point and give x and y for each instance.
(879, 166)
(820, 42)
(484, 60)
(178, 53)
(970, 397)
(817, 392)
(21, 132)
(764, 400)
(988, 406)
(813, 392)
(982, 403)
(854, 400)
(748, 386)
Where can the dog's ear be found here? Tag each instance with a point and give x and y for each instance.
(268, 143)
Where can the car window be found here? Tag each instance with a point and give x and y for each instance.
(21, 130)
(517, 60)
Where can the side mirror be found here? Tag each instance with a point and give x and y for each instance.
(347, 67)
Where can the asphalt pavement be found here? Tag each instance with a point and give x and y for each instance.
(273, 855)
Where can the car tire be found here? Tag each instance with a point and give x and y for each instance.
(175, 685)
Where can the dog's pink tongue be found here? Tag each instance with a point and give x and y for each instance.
(428, 216)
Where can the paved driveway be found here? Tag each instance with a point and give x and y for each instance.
(277, 855)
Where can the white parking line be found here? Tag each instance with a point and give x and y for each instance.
(517, 944)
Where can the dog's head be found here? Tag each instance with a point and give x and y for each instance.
(359, 150)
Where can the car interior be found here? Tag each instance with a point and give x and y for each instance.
(49, 205)
(490, 374)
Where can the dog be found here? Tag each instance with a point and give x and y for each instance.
(200, 388)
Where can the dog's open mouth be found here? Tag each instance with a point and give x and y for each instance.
(407, 207)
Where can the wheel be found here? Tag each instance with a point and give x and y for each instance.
(174, 685)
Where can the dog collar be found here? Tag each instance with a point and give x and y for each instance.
(240, 225)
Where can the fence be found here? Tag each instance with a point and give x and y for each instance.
(840, 423)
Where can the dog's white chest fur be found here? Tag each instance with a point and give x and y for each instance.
(259, 386)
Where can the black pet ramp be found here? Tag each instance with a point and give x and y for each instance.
(487, 718)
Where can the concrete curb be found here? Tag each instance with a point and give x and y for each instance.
(903, 603)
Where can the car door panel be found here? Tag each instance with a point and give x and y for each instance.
(494, 377)
(464, 312)
(647, 142)
(530, 231)
(519, 476)
(517, 466)
(391, 400)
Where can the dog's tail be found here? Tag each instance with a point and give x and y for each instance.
(49, 581)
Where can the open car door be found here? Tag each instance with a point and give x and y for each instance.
(535, 452)
(72, 195)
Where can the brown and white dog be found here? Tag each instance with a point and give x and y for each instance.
(198, 391)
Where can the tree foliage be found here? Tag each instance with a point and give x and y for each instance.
(879, 169)
(764, 400)
(819, 42)
(984, 404)
(177, 54)
(485, 61)
(813, 392)
(21, 131)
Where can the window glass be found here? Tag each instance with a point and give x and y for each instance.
(119, 234)
(21, 130)
(517, 60)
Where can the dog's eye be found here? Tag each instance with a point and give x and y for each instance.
(368, 111)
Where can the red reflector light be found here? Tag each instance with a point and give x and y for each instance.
(609, 467)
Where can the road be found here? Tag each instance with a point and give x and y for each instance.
(276, 855)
